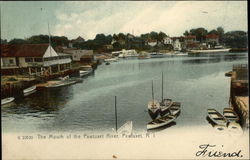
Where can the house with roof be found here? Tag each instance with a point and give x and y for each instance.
(38, 59)
(78, 54)
(212, 39)
(168, 40)
(79, 39)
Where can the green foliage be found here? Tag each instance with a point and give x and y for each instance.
(17, 41)
(235, 39)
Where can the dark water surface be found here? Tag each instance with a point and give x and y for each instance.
(198, 82)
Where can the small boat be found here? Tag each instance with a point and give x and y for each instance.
(29, 90)
(175, 110)
(84, 73)
(7, 100)
(107, 63)
(156, 55)
(61, 83)
(111, 60)
(160, 122)
(126, 128)
(153, 106)
(154, 109)
(165, 106)
(230, 115)
(216, 117)
(77, 79)
(165, 103)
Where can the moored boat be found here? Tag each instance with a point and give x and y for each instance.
(29, 90)
(84, 73)
(153, 109)
(156, 55)
(214, 50)
(165, 106)
(216, 117)
(160, 122)
(175, 110)
(230, 115)
(153, 106)
(7, 100)
(61, 83)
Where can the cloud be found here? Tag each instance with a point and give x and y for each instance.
(90, 18)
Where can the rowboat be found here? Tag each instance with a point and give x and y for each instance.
(29, 90)
(230, 115)
(7, 100)
(160, 122)
(216, 117)
(61, 83)
(175, 110)
(84, 73)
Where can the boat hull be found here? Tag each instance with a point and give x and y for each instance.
(211, 50)
(153, 114)
(7, 100)
(217, 118)
(29, 91)
(154, 124)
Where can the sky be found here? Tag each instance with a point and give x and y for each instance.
(88, 18)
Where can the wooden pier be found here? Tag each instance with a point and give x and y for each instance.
(239, 96)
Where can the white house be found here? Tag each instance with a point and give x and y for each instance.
(177, 45)
(168, 40)
(77, 53)
(40, 59)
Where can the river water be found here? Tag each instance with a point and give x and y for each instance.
(198, 82)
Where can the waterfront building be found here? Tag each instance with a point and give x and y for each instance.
(168, 40)
(212, 39)
(33, 59)
(79, 39)
(77, 54)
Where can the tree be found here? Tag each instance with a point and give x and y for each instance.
(186, 33)
(220, 31)
(161, 36)
(200, 33)
(17, 41)
(235, 39)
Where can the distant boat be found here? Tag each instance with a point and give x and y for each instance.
(7, 100)
(216, 49)
(153, 106)
(230, 115)
(107, 63)
(216, 117)
(156, 55)
(160, 122)
(29, 90)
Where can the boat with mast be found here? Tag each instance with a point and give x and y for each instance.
(153, 106)
(165, 104)
(126, 128)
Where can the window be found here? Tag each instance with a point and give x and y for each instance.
(38, 59)
(11, 61)
(28, 59)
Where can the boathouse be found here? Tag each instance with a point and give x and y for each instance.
(33, 59)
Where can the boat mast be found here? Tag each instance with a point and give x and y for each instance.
(153, 91)
(115, 116)
(162, 87)
(49, 41)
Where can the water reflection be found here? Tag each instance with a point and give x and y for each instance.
(196, 82)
